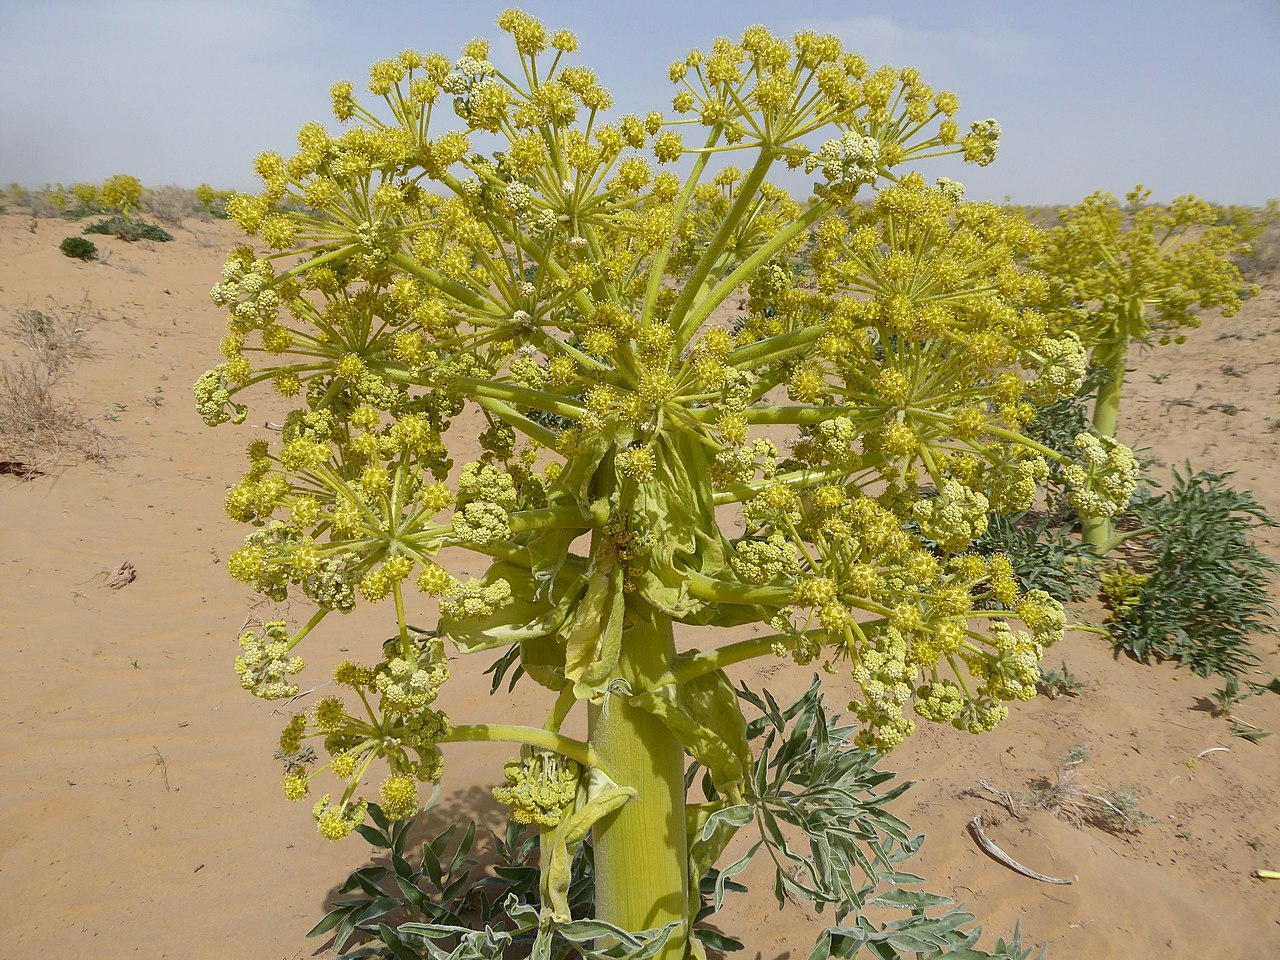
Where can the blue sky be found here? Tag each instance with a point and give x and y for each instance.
(1182, 96)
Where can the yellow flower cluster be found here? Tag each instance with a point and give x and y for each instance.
(927, 612)
(399, 726)
(541, 787)
(264, 664)
(1141, 270)
(337, 820)
(954, 518)
(1104, 483)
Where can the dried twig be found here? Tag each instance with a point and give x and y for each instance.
(993, 851)
(1006, 798)
(159, 761)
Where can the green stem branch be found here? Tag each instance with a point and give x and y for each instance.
(533, 736)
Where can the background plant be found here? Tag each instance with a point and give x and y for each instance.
(1259, 228)
(213, 202)
(171, 204)
(1059, 683)
(122, 193)
(88, 197)
(1115, 810)
(129, 229)
(1137, 274)
(78, 248)
(537, 272)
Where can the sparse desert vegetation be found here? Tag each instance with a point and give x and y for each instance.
(42, 427)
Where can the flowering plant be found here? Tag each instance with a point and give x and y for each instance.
(122, 193)
(537, 273)
(1137, 274)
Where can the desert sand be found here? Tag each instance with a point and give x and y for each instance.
(141, 813)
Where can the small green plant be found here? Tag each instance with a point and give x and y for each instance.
(1231, 694)
(1247, 731)
(1271, 686)
(78, 248)
(1059, 683)
(1226, 696)
(1075, 755)
(130, 230)
(1206, 590)
(1121, 809)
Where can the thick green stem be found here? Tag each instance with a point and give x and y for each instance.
(641, 850)
(1120, 538)
(740, 492)
(1111, 357)
(797, 416)
(535, 431)
(549, 518)
(513, 393)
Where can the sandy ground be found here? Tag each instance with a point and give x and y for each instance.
(142, 816)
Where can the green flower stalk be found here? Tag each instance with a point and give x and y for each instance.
(555, 277)
(1137, 274)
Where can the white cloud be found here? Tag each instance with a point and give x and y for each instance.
(982, 44)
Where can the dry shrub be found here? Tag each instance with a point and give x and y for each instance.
(1261, 264)
(55, 336)
(41, 427)
(1066, 796)
(33, 203)
(171, 204)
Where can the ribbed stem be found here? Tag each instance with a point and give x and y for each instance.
(1112, 358)
(641, 851)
